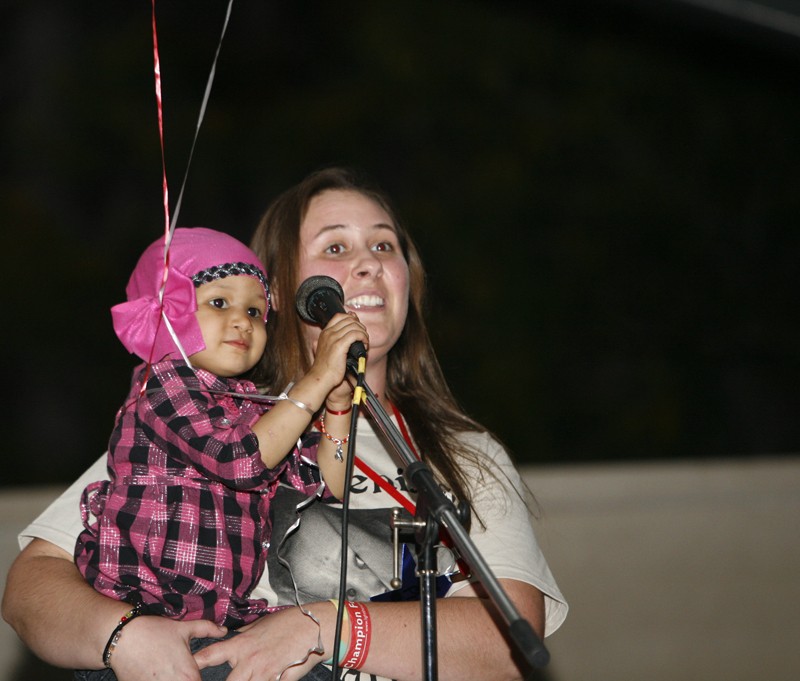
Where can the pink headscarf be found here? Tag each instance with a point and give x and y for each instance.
(197, 255)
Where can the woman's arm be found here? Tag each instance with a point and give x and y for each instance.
(67, 623)
(471, 642)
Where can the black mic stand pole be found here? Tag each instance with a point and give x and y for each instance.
(434, 509)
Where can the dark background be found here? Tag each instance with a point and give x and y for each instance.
(605, 195)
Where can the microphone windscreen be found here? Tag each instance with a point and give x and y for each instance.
(308, 288)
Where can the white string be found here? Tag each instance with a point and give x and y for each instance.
(206, 97)
(176, 339)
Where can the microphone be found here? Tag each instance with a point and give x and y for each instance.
(318, 299)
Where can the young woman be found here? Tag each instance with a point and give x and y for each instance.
(333, 224)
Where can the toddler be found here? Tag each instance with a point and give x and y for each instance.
(182, 527)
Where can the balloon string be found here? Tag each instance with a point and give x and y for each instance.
(202, 114)
(164, 184)
(160, 111)
(169, 226)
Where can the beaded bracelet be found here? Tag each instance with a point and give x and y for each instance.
(132, 614)
(339, 442)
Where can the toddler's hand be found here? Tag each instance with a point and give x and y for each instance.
(330, 356)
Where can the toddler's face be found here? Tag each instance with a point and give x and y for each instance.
(230, 313)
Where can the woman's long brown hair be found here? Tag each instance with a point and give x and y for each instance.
(415, 382)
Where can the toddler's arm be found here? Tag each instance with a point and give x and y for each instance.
(324, 384)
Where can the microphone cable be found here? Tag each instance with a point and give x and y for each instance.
(359, 395)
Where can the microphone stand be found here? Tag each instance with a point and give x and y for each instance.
(435, 509)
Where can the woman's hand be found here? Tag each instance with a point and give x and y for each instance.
(158, 648)
(67, 623)
(472, 645)
(271, 646)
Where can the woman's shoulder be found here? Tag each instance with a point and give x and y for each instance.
(487, 465)
(483, 445)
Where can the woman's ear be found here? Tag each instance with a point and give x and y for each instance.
(274, 298)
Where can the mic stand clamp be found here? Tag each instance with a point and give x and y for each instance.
(426, 535)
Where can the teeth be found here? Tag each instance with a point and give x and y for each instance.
(365, 301)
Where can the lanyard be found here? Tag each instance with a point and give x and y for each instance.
(381, 481)
(391, 489)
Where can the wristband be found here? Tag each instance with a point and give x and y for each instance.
(132, 614)
(360, 635)
(342, 645)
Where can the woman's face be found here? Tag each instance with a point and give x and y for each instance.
(349, 237)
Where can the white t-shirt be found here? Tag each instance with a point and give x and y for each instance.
(507, 542)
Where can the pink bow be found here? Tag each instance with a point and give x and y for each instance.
(139, 325)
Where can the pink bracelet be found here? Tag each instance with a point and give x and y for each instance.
(360, 635)
(339, 413)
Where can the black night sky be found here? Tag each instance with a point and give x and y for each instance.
(605, 195)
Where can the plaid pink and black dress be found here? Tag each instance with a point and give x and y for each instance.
(183, 525)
